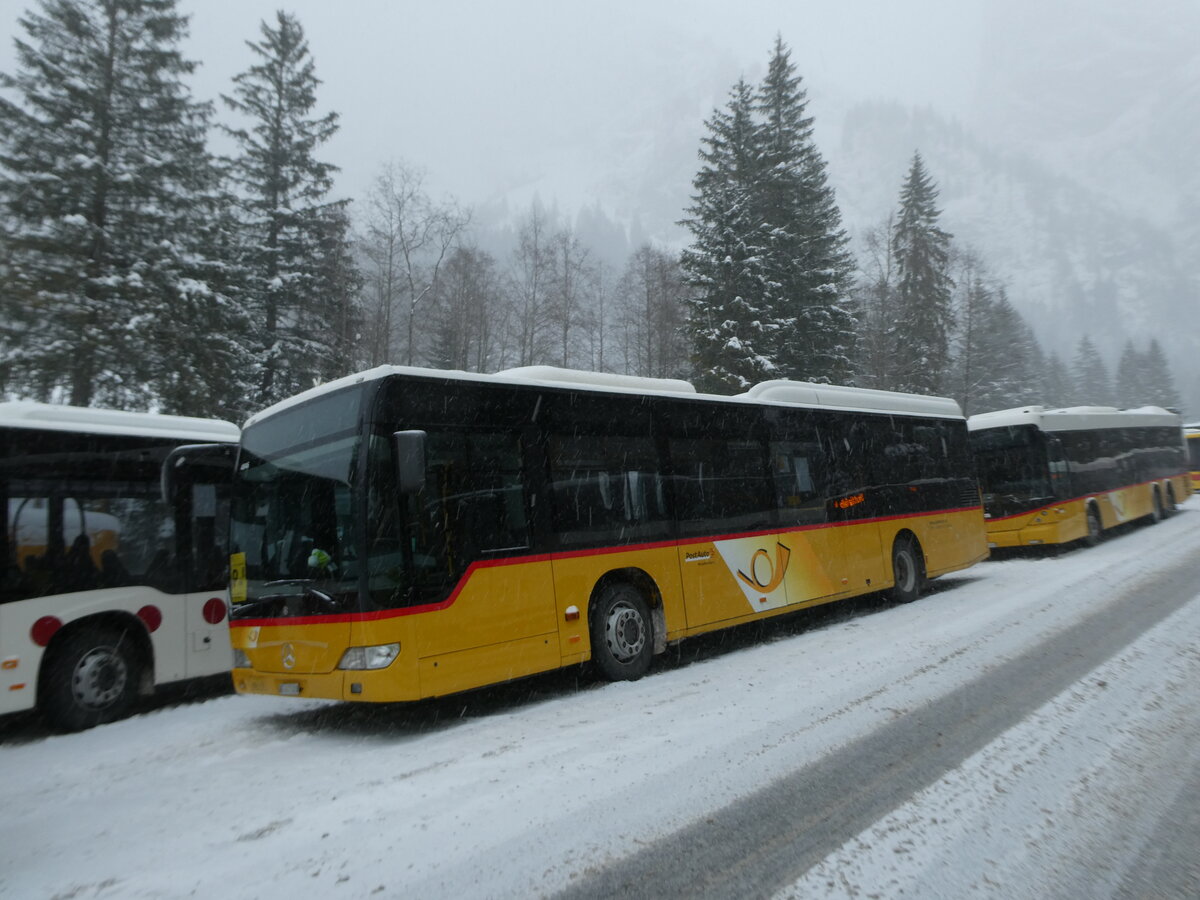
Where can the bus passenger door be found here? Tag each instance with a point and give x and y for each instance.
(490, 616)
(196, 484)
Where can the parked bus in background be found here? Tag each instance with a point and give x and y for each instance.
(109, 587)
(406, 533)
(1052, 476)
(1192, 432)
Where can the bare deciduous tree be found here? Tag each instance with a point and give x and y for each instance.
(407, 237)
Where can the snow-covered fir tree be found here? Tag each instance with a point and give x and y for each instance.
(1129, 388)
(111, 214)
(287, 208)
(1158, 382)
(729, 325)
(807, 264)
(1089, 376)
(1057, 387)
(925, 316)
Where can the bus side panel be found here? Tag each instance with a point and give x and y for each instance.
(951, 540)
(208, 650)
(576, 576)
(731, 579)
(1126, 504)
(865, 566)
(499, 626)
(20, 657)
(818, 566)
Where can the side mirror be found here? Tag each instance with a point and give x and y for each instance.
(410, 460)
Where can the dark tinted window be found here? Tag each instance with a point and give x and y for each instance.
(606, 479)
(85, 512)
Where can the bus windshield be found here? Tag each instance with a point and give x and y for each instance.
(1013, 468)
(292, 537)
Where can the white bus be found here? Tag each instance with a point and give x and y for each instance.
(114, 577)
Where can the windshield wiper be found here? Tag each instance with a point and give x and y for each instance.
(325, 600)
(324, 603)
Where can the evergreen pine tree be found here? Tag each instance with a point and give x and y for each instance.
(288, 212)
(1130, 388)
(728, 324)
(1159, 384)
(1058, 390)
(1011, 354)
(973, 379)
(1089, 375)
(922, 333)
(807, 265)
(110, 211)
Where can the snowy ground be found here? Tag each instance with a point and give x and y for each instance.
(531, 788)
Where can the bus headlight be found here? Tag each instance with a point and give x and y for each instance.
(379, 656)
(241, 660)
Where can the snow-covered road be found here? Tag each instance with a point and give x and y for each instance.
(553, 783)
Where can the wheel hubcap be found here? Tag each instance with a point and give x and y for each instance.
(99, 678)
(625, 632)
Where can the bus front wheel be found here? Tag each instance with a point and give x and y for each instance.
(90, 678)
(622, 641)
(906, 571)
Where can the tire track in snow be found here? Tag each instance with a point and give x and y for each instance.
(768, 839)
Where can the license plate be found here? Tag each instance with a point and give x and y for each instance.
(289, 687)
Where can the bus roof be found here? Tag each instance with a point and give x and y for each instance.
(56, 417)
(789, 393)
(1076, 418)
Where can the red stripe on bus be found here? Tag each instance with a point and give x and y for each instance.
(1040, 509)
(343, 618)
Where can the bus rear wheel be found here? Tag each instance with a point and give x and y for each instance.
(1156, 507)
(622, 640)
(90, 678)
(906, 571)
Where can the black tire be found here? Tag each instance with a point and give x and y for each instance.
(907, 571)
(1156, 507)
(1095, 528)
(1172, 505)
(88, 678)
(622, 634)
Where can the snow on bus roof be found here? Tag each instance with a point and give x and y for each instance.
(56, 417)
(803, 393)
(1076, 418)
(791, 393)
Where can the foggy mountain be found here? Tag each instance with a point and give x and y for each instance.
(1074, 261)
(1073, 174)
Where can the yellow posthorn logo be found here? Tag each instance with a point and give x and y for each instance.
(775, 572)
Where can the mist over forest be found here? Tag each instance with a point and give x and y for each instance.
(1058, 205)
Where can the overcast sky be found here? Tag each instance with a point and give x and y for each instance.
(481, 93)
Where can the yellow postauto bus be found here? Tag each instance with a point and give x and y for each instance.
(407, 533)
(1192, 433)
(1053, 476)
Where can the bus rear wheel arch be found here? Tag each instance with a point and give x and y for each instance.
(1156, 506)
(908, 569)
(622, 630)
(93, 672)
